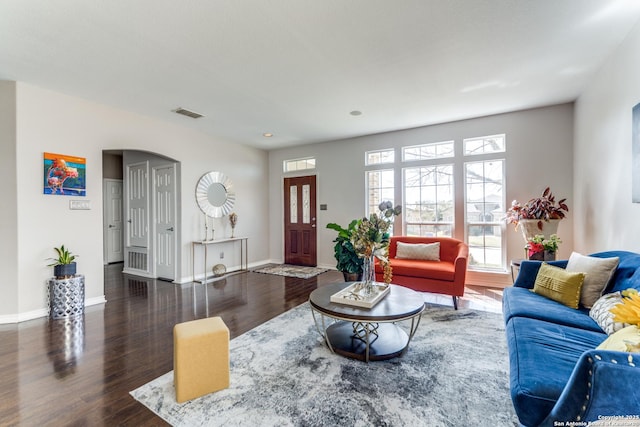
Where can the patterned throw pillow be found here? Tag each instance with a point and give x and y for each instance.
(559, 285)
(603, 317)
(422, 251)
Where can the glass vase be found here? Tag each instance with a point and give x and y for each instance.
(368, 274)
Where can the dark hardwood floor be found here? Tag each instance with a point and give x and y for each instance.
(79, 372)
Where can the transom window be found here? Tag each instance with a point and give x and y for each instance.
(436, 150)
(484, 145)
(378, 157)
(299, 164)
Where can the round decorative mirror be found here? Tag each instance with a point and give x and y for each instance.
(215, 195)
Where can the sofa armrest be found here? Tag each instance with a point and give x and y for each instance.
(529, 270)
(460, 263)
(603, 383)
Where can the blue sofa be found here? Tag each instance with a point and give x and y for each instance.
(556, 374)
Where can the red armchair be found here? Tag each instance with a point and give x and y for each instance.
(446, 276)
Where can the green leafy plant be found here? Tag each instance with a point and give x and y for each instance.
(348, 259)
(541, 208)
(538, 244)
(64, 257)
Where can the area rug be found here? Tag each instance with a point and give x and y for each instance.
(282, 374)
(288, 270)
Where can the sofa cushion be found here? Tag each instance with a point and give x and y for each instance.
(559, 285)
(598, 272)
(603, 317)
(421, 251)
(521, 302)
(438, 270)
(542, 356)
(626, 339)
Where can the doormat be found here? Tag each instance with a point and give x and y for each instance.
(288, 270)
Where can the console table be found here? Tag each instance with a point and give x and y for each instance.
(244, 256)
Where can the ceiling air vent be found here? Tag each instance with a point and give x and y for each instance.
(188, 113)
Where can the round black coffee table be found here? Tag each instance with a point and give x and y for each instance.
(367, 333)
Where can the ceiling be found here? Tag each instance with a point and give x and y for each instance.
(297, 68)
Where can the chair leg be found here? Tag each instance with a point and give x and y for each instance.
(455, 302)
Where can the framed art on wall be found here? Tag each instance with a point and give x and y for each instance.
(64, 175)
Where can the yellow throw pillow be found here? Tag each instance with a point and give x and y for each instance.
(626, 339)
(559, 285)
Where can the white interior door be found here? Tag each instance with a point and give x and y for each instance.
(113, 231)
(165, 221)
(138, 229)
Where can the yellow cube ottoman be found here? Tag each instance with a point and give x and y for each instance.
(200, 358)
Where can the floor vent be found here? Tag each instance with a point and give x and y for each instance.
(138, 261)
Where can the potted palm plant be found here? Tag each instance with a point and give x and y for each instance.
(64, 265)
(349, 263)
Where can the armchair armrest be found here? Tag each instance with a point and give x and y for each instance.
(529, 270)
(603, 383)
(460, 263)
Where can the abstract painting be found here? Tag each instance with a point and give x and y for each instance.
(65, 175)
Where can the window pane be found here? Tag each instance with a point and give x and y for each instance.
(484, 145)
(435, 150)
(484, 183)
(299, 164)
(485, 246)
(380, 156)
(429, 200)
(380, 187)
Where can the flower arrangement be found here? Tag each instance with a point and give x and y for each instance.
(539, 244)
(628, 311)
(541, 208)
(371, 237)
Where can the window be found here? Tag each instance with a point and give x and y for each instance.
(435, 150)
(429, 201)
(380, 187)
(379, 157)
(299, 164)
(484, 208)
(484, 145)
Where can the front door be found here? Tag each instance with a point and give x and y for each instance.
(300, 221)
(164, 179)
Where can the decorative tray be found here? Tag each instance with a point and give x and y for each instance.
(354, 295)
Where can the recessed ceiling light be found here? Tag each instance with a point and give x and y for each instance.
(356, 113)
(267, 135)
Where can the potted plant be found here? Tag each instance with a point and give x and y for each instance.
(543, 249)
(349, 263)
(64, 265)
(540, 214)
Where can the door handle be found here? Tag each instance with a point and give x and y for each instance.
(313, 226)
(111, 226)
(170, 229)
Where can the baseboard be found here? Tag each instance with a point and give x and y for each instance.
(43, 312)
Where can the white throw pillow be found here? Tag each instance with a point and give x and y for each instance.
(422, 251)
(603, 317)
(599, 272)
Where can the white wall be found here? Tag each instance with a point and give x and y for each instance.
(52, 122)
(9, 211)
(539, 154)
(608, 219)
